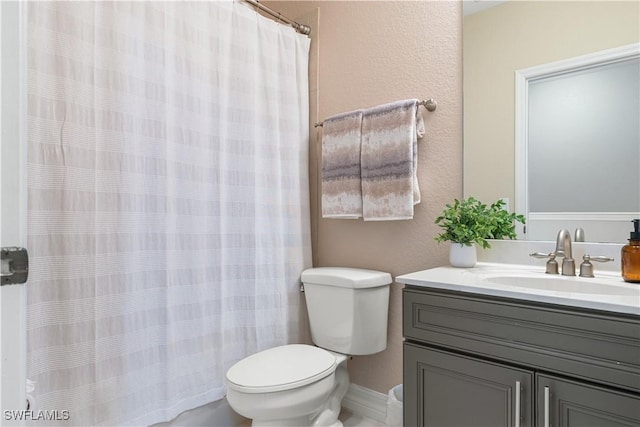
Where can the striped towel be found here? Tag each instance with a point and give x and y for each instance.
(341, 185)
(389, 160)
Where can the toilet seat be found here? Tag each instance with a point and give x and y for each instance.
(281, 368)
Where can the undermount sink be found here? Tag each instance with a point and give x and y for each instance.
(606, 292)
(563, 284)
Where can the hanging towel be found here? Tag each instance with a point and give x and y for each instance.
(341, 184)
(389, 160)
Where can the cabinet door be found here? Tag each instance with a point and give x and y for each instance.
(566, 403)
(443, 389)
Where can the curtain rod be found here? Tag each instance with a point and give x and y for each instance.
(430, 104)
(302, 29)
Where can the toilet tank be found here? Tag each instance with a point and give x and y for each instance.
(348, 308)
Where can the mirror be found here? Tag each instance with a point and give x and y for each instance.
(518, 35)
(577, 120)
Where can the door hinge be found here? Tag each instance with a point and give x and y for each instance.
(14, 267)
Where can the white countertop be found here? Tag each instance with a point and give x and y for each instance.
(607, 291)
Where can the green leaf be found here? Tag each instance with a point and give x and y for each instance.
(470, 221)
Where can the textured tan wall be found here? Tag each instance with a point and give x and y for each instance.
(369, 53)
(513, 36)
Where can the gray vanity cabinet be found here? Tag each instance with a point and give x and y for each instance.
(455, 391)
(575, 404)
(474, 360)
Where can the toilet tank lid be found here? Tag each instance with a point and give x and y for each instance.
(345, 277)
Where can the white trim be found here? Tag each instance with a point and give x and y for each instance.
(13, 224)
(366, 403)
(522, 78)
(597, 226)
(616, 54)
(583, 216)
(521, 143)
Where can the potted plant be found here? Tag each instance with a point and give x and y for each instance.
(469, 222)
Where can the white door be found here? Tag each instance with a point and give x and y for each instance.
(13, 213)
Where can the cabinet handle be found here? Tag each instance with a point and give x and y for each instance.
(517, 415)
(546, 407)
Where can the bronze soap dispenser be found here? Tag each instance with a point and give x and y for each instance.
(631, 255)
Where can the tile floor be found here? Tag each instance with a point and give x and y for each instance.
(350, 419)
(219, 414)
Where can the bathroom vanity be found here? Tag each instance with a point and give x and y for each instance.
(483, 349)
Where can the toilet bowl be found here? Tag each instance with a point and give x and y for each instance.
(292, 385)
(303, 385)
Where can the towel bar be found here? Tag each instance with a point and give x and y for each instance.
(430, 104)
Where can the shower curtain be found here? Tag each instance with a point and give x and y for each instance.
(167, 201)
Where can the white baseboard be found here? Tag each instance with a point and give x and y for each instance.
(366, 402)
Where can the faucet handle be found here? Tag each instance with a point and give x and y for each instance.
(542, 255)
(586, 268)
(552, 264)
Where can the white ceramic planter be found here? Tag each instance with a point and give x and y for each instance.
(462, 256)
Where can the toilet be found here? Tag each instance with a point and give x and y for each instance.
(302, 385)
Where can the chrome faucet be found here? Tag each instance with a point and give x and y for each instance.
(563, 249)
